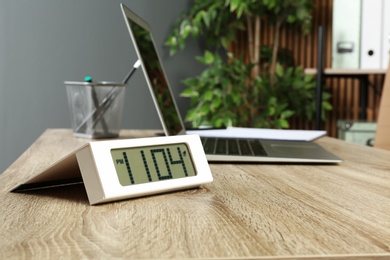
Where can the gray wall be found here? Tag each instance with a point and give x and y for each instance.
(45, 42)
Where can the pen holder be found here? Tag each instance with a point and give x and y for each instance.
(96, 109)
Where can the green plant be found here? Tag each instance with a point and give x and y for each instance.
(253, 86)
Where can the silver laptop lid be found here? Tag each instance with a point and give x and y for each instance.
(154, 73)
(277, 151)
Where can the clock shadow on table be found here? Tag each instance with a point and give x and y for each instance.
(73, 191)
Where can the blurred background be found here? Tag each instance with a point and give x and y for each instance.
(46, 42)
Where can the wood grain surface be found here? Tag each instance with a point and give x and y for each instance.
(275, 211)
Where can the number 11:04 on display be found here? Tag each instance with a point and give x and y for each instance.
(152, 163)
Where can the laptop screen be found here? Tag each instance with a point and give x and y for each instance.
(154, 73)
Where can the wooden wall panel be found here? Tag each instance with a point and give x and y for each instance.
(304, 48)
(345, 91)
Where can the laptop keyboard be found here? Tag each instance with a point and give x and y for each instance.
(233, 146)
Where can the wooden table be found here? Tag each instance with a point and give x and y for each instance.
(249, 211)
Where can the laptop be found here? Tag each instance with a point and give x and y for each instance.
(217, 149)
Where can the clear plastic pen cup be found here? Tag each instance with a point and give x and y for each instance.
(96, 109)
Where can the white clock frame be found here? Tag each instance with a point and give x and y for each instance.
(102, 183)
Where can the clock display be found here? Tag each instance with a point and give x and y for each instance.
(138, 165)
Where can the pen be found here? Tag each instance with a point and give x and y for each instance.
(108, 99)
(97, 106)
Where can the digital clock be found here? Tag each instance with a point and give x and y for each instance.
(154, 163)
(120, 169)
